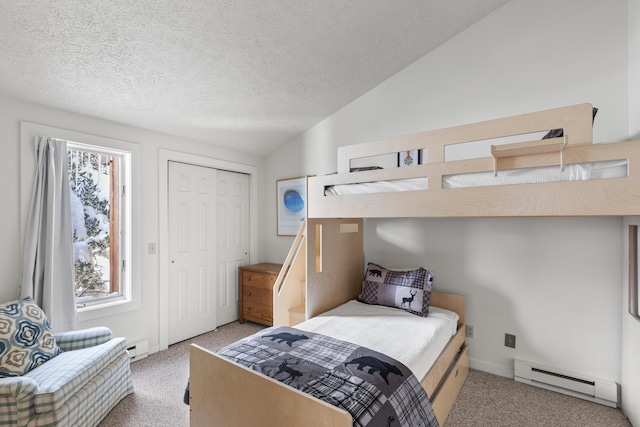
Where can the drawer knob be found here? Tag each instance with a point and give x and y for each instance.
(249, 293)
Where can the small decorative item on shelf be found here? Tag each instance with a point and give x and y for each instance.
(408, 158)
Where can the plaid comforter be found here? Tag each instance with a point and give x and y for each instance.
(374, 388)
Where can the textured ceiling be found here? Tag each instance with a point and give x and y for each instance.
(242, 74)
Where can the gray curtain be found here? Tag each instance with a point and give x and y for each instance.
(47, 263)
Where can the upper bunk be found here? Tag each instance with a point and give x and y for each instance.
(555, 176)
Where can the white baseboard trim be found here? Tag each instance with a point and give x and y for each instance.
(492, 368)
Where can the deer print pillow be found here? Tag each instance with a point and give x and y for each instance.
(406, 290)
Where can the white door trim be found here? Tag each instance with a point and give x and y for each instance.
(164, 157)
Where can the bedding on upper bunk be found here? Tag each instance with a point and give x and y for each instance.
(373, 387)
(572, 172)
(411, 184)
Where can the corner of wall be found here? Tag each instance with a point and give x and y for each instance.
(630, 383)
(630, 371)
(634, 68)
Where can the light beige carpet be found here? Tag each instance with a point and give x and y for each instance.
(491, 400)
(485, 399)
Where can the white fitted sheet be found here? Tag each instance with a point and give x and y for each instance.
(378, 187)
(413, 340)
(573, 172)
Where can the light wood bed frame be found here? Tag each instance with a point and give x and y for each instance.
(325, 266)
(224, 393)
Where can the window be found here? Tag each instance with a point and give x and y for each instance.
(128, 296)
(634, 253)
(98, 178)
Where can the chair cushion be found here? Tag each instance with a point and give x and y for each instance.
(62, 377)
(26, 340)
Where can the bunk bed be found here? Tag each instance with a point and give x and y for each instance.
(324, 268)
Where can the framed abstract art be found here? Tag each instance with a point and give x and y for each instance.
(291, 205)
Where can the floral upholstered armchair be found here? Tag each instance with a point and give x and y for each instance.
(68, 379)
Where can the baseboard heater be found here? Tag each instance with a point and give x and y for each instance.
(594, 390)
(138, 350)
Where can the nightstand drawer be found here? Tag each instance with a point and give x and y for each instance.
(258, 280)
(257, 295)
(257, 312)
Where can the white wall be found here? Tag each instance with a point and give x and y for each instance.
(146, 318)
(630, 326)
(528, 277)
(555, 283)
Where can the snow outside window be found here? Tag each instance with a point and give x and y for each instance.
(100, 218)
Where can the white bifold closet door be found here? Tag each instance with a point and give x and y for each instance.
(208, 241)
(233, 241)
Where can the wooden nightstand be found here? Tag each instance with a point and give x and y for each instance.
(256, 292)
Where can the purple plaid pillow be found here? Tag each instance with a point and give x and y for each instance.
(406, 290)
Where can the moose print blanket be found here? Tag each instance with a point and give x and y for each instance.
(376, 389)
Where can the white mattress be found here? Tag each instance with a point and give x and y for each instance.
(572, 172)
(413, 340)
(378, 187)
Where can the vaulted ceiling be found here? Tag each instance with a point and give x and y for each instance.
(242, 74)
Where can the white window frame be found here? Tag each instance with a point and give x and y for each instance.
(124, 252)
(28, 134)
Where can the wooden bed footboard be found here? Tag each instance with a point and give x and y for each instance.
(226, 394)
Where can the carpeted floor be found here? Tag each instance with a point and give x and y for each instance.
(485, 399)
(491, 400)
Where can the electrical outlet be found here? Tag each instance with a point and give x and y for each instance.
(470, 331)
(510, 340)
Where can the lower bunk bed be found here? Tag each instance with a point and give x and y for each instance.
(226, 393)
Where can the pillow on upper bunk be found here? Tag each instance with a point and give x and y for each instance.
(409, 290)
(365, 168)
(360, 169)
(559, 133)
